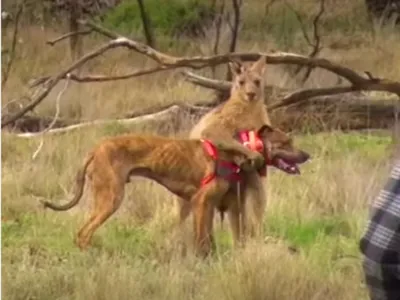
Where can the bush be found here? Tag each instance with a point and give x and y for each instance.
(172, 17)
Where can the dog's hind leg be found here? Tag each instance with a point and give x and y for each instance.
(108, 196)
(203, 212)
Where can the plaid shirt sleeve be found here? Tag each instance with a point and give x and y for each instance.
(380, 243)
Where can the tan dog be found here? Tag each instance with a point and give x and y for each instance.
(178, 165)
(244, 110)
(278, 150)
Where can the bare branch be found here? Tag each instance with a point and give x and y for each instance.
(267, 7)
(159, 116)
(165, 62)
(316, 43)
(218, 26)
(58, 99)
(304, 95)
(236, 23)
(68, 35)
(146, 25)
(235, 31)
(7, 70)
(357, 81)
(222, 86)
(302, 25)
(44, 90)
(75, 42)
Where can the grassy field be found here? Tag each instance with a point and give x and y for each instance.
(135, 255)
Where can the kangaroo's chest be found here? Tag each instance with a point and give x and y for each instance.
(244, 117)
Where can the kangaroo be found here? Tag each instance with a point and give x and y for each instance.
(244, 110)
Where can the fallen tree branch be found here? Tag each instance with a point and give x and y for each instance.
(222, 86)
(159, 116)
(104, 78)
(319, 114)
(358, 82)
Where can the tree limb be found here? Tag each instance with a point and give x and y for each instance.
(105, 78)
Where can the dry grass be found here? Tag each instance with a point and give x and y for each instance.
(136, 254)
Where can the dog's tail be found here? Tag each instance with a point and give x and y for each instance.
(78, 188)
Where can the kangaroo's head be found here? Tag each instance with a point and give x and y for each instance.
(248, 81)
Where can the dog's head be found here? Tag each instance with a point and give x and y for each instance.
(279, 149)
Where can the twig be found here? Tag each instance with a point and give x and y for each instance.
(67, 35)
(42, 133)
(7, 71)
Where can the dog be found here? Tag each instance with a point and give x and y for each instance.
(179, 165)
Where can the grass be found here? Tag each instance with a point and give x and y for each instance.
(136, 254)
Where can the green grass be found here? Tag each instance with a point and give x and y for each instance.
(137, 255)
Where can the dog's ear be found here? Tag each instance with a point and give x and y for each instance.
(265, 130)
(236, 67)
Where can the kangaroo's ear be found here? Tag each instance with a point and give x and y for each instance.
(236, 67)
(265, 130)
(259, 66)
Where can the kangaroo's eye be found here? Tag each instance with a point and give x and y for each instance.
(241, 82)
(257, 82)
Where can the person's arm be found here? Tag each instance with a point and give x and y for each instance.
(380, 243)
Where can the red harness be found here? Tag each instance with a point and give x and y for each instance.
(227, 169)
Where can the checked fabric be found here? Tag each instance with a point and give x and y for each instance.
(380, 243)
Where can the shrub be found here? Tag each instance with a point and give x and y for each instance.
(172, 17)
